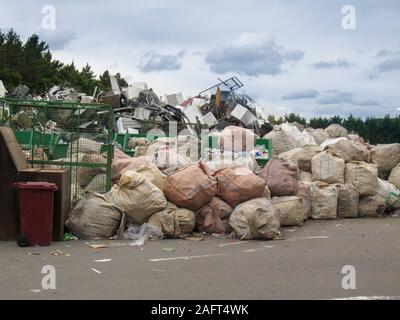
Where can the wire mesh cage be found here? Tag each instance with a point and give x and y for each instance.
(63, 135)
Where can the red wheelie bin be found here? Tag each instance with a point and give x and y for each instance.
(36, 212)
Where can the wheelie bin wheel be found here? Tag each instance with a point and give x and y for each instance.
(23, 241)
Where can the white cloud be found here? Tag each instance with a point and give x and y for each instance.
(252, 55)
(58, 39)
(386, 53)
(303, 94)
(339, 63)
(386, 66)
(152, 61)
(344, 98)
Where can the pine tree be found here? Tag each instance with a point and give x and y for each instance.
(32, 64)
(121, 81)
(105, 81)
(12, 59)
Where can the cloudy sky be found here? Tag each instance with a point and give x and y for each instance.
(291, 55)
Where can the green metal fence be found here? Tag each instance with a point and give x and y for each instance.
(62, 135)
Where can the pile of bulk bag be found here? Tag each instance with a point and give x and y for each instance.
(281, 177)
(137, 196)
(323, 201)
(386, 156)
(96, 218)
(389, 193)
(348, 151)
(305, 177)
(190, 187)
(239, 184)
(173, 222)
(280, 140)
(347, 202)
(86, 174)
(237, 139)
(304, 193)
(336, 131)
(294, 134)
(394, 177)
(122, 162)
(371, 206)
(169, 161)
(303, 156)
(363, 176)
(327, 168)
(291, 210)
(319, 135)
(153, 174)
(255, 219)
(214, 217)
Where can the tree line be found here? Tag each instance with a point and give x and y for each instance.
(373, 130)
(31, 63)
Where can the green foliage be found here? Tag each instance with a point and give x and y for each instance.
(373, 130)
(31, 63)
(319, 123)
(273, 121)
(122, 82)
(105, 81)
(295, 117)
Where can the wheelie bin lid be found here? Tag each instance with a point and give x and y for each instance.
(28, 185)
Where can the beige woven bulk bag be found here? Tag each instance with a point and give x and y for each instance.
(327, 168)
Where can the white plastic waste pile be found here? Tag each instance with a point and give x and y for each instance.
(294, 134)
(389, 193)
(217, 160)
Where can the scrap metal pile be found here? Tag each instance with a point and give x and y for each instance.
(61, 93)
(221, 107)
(138, 108)
(56, 119)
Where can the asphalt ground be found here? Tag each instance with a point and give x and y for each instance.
(307, 264)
